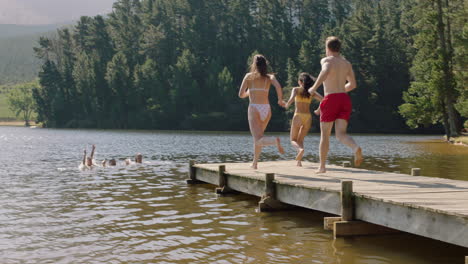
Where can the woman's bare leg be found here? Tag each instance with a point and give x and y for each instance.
(295, 130)
(257, 128)
(300, 140)
(270, 141)
(257, 133)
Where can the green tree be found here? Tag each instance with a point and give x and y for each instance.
(119, 82)
(152, 93)
(433, 70)
(85, 79)
(21, 101)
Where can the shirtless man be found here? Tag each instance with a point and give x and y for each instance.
(338, 79)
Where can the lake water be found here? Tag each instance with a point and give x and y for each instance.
(51, 212)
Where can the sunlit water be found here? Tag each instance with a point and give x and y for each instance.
(50, 212)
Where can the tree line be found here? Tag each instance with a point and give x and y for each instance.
(164, 64)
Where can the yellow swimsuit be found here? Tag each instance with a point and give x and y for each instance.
(303, 116)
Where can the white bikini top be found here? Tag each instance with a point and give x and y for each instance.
(260, 89)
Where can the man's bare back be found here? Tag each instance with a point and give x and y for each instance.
(340, 71)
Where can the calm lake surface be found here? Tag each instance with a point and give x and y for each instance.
(51, 212)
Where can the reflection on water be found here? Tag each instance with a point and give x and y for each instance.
(50, 212)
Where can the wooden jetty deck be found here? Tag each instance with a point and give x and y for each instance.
(368, 202)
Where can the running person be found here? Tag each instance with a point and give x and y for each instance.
(256, 86)
(302, 119)
(338, 79)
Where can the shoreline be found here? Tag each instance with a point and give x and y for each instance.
(460, 141)
(16, 123)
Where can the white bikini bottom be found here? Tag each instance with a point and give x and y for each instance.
(262, 109)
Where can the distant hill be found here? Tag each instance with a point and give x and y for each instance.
(11, 31)
(40, 12)
(17, 60)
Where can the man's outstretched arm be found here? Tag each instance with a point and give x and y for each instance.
(322, 77)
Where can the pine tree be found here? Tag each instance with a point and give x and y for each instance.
(119, 82)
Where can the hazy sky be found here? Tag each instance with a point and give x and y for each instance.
(50, 11)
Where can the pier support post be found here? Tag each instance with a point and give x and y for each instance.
(192, 174)
(415, 172)
(346, 225)
(222, 178)
(268, 201)
(347, 201)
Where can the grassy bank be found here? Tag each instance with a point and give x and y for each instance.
(14, 123)
(460, 140)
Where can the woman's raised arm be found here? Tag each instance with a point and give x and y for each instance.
(243, 93)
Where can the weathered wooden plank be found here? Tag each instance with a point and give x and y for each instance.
(435, 224)
(310, 198)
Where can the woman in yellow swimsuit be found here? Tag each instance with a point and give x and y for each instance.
(302, 119)
(256, 86)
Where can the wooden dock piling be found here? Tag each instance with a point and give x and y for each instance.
(222, 178)
(192, 174)
(346, 164)
(347, 203)
(268, 200)
(415, 172)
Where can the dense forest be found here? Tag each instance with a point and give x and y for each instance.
(166, 64)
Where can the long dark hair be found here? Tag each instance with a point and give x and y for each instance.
(307, 82)
(259, 65)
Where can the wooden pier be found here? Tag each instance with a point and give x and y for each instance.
(365, 202)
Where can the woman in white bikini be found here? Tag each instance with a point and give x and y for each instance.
(256, 85)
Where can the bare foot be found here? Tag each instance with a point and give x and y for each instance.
(358, 157)
(278, 144)
(300, 154)
(321, 170)
(299, 163)
(254, 166)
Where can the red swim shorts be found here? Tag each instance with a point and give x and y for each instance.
(335, 106)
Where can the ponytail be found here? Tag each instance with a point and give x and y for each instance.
(307, 82)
